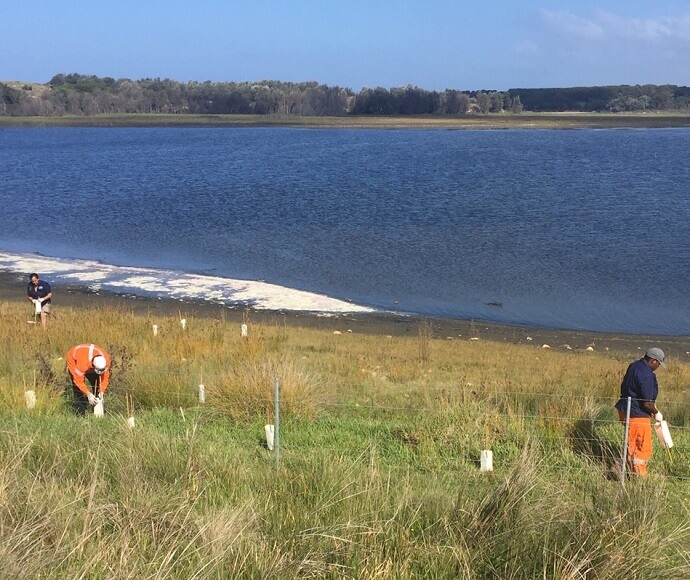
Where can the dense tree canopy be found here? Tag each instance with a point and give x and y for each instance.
(89, 95)
(610, 98)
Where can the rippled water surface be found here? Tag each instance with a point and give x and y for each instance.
(575, 229)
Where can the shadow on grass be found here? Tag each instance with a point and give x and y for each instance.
(587, 442)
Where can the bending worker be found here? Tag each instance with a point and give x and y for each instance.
(88, 362)
(641, 386)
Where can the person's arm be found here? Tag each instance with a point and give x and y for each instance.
(49, 292)
(104, 381)
(647, 393)
(77, 376)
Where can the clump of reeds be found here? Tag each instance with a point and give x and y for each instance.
(246, 391)
(528, 526)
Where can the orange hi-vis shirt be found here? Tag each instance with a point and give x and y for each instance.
(79, 364)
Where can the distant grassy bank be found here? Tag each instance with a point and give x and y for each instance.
(379, 477)
(491, 121)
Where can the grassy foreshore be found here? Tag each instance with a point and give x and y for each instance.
(13, 287)
(380, 444)
(491, 121)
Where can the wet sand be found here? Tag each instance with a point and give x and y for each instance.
(13, 287)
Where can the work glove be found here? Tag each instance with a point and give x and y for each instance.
(99, 398)
(658, 417)
(92, 398)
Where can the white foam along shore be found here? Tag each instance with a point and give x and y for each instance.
(174, 284)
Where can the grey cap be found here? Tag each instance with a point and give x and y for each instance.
(657, 354)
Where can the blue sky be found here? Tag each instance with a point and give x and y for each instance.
(435, 44)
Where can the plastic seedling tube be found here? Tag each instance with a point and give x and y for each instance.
(664, 434)
(183, 323)
(245, 331)
(487, 460)
(30, 397)
(155, 330)
(37, 303)
(202, 393)
(130, 422)
(98, 409)
(270, 432)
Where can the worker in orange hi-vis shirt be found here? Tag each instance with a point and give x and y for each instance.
(88, 362)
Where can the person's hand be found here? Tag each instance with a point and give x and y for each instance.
(99, 398)
(658, 417)
(92, 399)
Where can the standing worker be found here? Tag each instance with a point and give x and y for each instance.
(641, 386)
(39, 293)
(88, 362)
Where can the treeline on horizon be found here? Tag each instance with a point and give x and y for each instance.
(76, 94)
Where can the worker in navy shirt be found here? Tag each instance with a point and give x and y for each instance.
(641, 386)
(39, 291)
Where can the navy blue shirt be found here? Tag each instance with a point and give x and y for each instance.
(40, 291)
(639, 383)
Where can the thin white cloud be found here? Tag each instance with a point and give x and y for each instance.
(608, 26)
(574, 47)
(644, 30)
(568, 23)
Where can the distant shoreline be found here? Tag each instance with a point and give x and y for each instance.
(492, 121)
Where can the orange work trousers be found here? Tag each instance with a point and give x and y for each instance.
(639, 443)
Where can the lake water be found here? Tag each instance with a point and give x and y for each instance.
(583, 229)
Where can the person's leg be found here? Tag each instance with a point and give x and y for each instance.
(639, 445)
(81, 403)
(45, 311)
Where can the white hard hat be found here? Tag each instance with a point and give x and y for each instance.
(99, 364)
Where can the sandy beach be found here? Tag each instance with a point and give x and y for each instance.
(13, 287)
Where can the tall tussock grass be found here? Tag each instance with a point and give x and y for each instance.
(529, 526)
(188, 501)
(246, 391)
